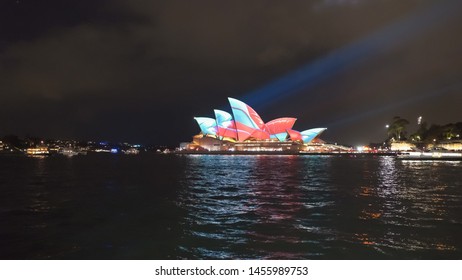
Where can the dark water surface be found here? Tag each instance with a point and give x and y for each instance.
(229, 207)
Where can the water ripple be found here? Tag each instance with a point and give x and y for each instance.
(318, 207)
(229, 207)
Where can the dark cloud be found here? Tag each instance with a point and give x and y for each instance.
(140, 70)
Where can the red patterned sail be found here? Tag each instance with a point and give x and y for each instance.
(295, 135)
(260, 135)
(280, 125)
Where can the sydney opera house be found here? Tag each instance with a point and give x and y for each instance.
(245, 131)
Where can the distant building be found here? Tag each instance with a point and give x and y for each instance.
(245, 131)
(398, 146)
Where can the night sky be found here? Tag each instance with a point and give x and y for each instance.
(140, 70)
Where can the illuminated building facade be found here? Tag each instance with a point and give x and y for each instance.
(400, 146)
(244, 130)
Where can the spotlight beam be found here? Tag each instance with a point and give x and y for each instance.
(381, 41)
(411, 100)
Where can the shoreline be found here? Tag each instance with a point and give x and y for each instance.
(281, 153)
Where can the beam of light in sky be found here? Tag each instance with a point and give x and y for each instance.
(416, 98)
(385, 39)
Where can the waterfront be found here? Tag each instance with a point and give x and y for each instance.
(152, 206)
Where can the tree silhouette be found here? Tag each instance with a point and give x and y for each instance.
(397, 128)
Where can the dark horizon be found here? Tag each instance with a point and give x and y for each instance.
(433, 131)
(140, 71)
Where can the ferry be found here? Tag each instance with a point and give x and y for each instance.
(70, 152)
(430, 155)
(38, 151)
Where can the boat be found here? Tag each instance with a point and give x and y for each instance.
(70, 152)
(37, 151)
(430, 155)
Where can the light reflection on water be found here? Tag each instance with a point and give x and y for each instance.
(291, 207)
(229, 207)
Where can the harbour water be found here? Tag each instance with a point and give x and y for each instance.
(152, 206)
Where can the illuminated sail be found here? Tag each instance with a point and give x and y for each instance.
(225, 124)
(260, 134)
(294, 135)
(208, 125)
(310, 134)
(277, 128)
(246, 119)
(245, 123)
